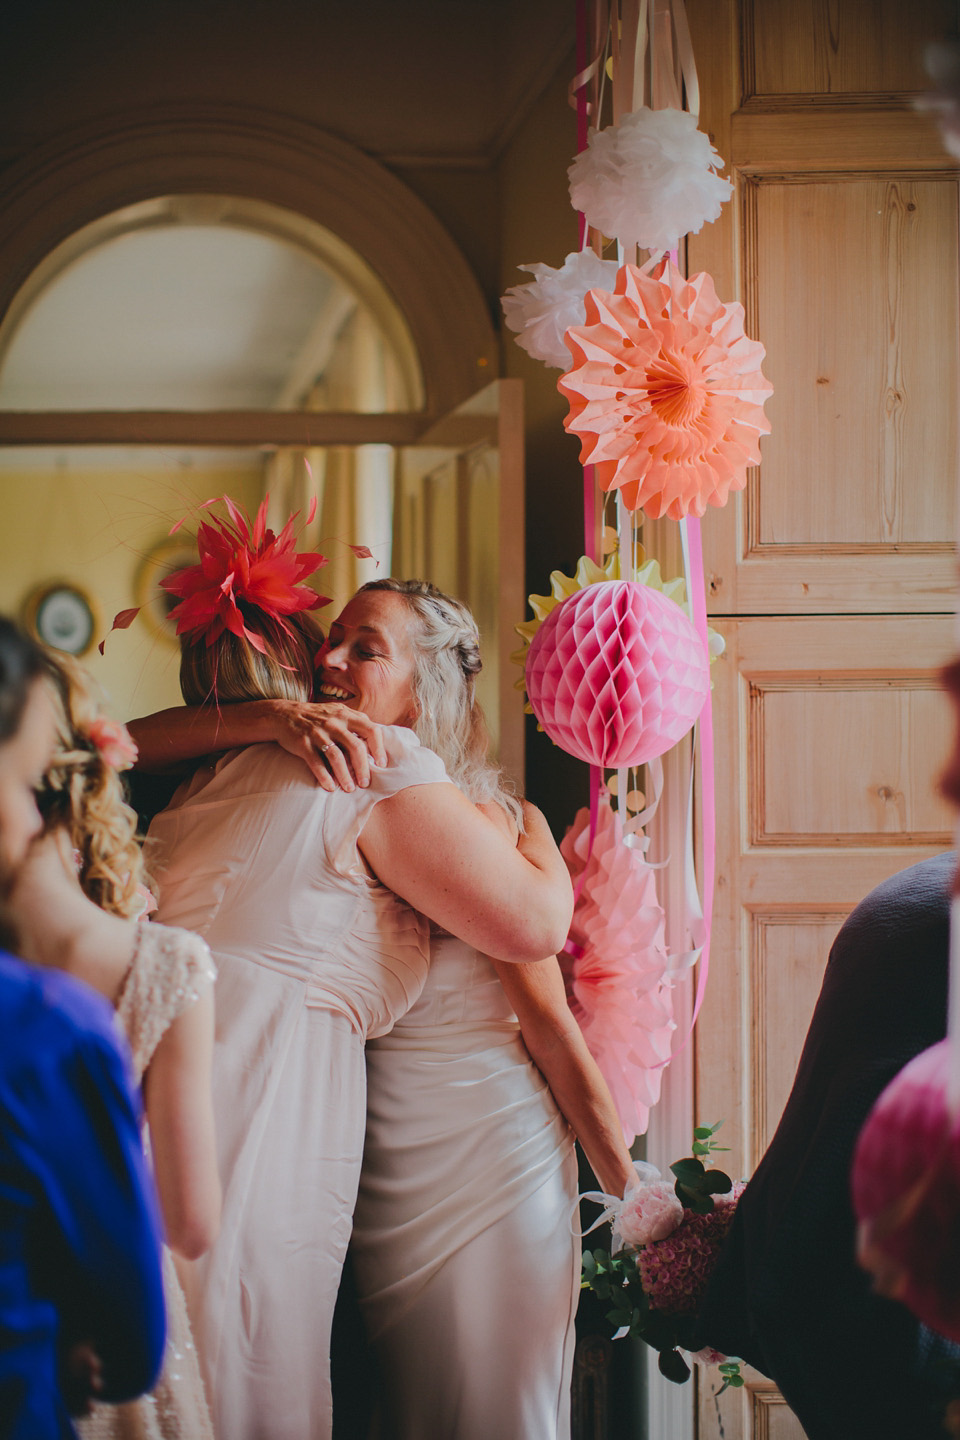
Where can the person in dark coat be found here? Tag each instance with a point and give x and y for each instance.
(787, 1295)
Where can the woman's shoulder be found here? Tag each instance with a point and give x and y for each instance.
(347, 812)
(408, 762)
(171, 969)
(265, 768)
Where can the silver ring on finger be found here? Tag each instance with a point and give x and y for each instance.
(329, 746)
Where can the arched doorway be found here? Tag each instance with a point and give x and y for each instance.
(195, 340)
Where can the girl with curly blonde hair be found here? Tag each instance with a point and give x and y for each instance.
(75, 905)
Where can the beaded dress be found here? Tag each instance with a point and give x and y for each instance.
(170, 970)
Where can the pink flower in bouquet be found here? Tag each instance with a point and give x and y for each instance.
(675, 1272)
(651, 1212)
(708, 1356)
(114, 742)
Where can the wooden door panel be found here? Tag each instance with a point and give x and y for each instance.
(832, 575)
(855, 290)
(782, 895)
(787, 955)
(818, 716)
(814, 49)
(758, 1411)
(836, 760)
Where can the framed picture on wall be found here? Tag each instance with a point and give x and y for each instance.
(173, 552)
(61, 615)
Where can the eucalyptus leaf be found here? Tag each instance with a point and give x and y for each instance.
(689, 1169)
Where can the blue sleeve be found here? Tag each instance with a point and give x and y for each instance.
(103, 1257)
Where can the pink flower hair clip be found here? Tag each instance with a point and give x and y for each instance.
(113, 743)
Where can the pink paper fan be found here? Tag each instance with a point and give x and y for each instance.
(666, 392)
(617, 981)
(617, 674)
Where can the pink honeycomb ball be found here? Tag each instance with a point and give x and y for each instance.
(617, 674)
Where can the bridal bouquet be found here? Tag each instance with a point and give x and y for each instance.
(666, 1239)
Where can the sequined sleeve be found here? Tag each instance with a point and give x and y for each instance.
(170, 970)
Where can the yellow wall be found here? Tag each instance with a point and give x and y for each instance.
(93, 527)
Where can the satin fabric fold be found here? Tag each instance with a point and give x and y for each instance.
(466, 1267)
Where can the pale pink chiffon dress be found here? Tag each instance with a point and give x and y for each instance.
(313, 955)
(467, 1267)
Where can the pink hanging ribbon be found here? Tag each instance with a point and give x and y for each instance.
(590, 526)
(708, 806)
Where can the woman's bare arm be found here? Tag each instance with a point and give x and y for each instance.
(176, 1093)
(431, 846)
(560, 1053)
(170, 738)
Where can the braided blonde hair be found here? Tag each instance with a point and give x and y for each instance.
(84, 794)
(450, 720)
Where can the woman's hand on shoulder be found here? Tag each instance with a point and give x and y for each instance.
(336, 744)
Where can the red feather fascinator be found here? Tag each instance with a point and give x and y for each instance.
(242, 564)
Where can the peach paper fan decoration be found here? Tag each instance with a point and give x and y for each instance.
(666, 392)
(617, 985)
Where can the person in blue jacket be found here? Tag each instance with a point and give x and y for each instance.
(81, 1296)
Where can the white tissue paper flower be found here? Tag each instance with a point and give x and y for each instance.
(544, 309)
(649, 180)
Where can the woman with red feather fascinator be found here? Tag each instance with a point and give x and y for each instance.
(315, 904)
(291, 886)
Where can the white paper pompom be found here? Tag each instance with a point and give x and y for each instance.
(543, 310)
(649, 180)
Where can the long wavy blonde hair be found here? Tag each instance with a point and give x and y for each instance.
(84, 794)
(450, 720)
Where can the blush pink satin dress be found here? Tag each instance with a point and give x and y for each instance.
(467, 1268)
(313, 955)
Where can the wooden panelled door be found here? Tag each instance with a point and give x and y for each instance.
(832, 575)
